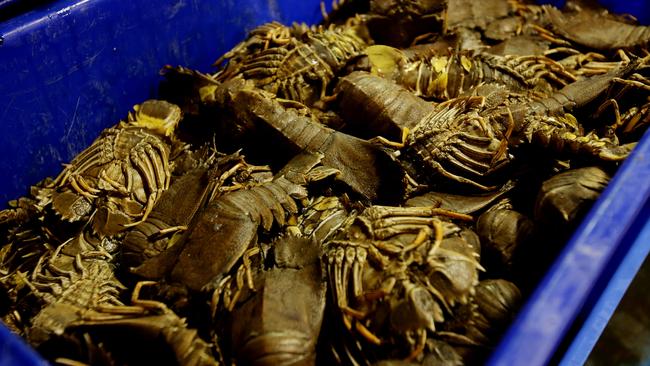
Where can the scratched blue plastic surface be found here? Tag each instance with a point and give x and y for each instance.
(73, 68)
(4, 4)
(638, 8)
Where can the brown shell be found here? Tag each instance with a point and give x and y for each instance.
(302, 69)
(280, 323)
(566, 196)
(127, 167)
(502, 231)
(401, 269)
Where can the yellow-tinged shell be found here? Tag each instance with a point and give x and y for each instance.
(206, 92)
(384, 60)
(156, 115)
(467, 64)
(437, 85)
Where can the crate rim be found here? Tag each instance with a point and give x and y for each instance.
(542, 323)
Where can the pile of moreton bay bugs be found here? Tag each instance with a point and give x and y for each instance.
(381, 189)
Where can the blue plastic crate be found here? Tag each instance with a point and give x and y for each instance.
(583, 270)
(640, 9)
(607, 304)
(72, 68)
